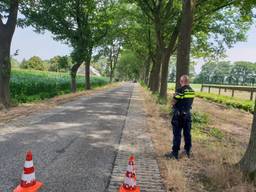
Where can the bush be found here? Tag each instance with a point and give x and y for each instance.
(35, 63)
(246, 105)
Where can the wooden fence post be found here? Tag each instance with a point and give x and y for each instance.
(233, 92)
(202, 88)
(251, 95)
(209, 89)
(219, 90)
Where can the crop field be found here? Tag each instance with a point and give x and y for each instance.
(27, 85)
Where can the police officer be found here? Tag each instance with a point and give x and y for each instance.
(182, 104)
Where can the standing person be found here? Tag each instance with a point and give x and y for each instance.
(182, 104)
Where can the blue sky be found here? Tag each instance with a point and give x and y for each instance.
(30, 43)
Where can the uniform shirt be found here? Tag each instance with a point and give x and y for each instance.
(184, 97)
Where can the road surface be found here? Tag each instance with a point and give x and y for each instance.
(74, 146)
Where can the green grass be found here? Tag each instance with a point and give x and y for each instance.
(201, 130)
(246, 105)
(196, 87)
(31, 85)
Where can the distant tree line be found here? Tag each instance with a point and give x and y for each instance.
(225, 72)
(56, 64)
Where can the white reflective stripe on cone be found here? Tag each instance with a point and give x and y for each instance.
(28, 164)
(130, 168)
(130, 182)
(28, 177)
(133, 182)
(126, 181)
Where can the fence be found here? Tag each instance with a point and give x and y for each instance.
(252, 90)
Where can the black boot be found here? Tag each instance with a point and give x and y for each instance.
(171, 155)
(188, 154)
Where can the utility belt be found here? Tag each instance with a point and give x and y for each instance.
(181, 112)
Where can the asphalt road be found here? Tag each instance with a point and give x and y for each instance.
(74, 146)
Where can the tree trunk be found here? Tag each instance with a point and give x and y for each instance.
(184, 44)
(87, 75)
(5, 73)
(166, 59)
(73, 77)
(6, 34)
(146, 71)
(164, 76)
(248, 162)
(150, 82)
(155, 75)
(87, 69)
(114, 63)
(111, 75)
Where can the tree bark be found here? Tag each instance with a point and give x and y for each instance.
(164, 74)
(150, 81)
(73, 77)
(6, 34)
(114, 62)
(166, 59)
(111, 76)
(146, 71)
(248, 162)
(5, 73)
(155, 74)
(87, 69)
(184, 43)
(87, 75)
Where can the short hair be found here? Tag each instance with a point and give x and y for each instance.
(185, 78)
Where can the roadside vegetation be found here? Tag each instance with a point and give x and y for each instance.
(215, 153)
(238, 103)
(32, 85)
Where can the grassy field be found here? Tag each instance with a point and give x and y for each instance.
(28, 85)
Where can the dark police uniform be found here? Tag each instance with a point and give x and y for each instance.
(184, 97)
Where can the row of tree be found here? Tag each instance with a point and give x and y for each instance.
(162, 29)
(225, 72)
(155, 31)
(83, 24)
(149, 31)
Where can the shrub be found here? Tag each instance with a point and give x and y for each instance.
(246, 105)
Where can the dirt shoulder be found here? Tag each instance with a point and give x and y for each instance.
(232, 121)
(211, 167)
(26, 109)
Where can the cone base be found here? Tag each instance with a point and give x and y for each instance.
(29, 189)
(123, 189)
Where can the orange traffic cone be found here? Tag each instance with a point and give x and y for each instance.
(129, 184)
(28, 181)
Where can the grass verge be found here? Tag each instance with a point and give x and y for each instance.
(214, 154)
